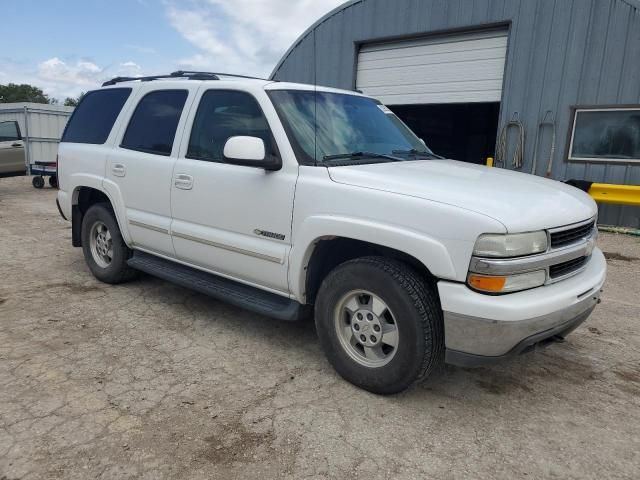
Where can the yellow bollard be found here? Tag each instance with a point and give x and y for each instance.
(489, 161)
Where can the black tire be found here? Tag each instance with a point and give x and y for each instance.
(117, 271)
(53, 181)
(416, 311)
(37, 182)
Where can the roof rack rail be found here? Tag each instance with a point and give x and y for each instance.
(179, 74)
(218, 74)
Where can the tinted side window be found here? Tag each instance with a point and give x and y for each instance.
(93, 118)
(152, 127)
(9, 131)
(223, 114)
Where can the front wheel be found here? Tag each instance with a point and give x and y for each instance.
(104, 249)
(380, 324)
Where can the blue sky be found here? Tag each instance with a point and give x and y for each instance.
(69, 46)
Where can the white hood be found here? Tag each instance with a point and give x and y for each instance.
(520, 201)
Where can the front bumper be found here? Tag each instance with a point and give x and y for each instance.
(482, 329)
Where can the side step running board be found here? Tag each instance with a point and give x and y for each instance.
(238, 294)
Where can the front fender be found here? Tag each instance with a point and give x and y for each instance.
(429, 251)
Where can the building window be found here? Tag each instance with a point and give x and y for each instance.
(606, 135)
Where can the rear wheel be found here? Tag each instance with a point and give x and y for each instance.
(104, 250)
(53, 181)
(380, 324)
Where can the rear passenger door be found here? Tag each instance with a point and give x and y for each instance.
(141, 165)
(231, 219)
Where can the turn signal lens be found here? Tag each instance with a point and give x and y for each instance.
(508, 283)
(487, 284)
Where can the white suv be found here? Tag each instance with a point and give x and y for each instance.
(281, 198)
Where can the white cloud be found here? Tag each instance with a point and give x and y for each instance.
(133, 66)
(243, 36)
(81, 74)
(237, 36)
(60, 78)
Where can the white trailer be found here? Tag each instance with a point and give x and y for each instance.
(40, 126)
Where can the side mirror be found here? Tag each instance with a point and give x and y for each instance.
(250, 152)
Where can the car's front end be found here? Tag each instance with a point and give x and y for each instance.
(522, 291)
(534, 274)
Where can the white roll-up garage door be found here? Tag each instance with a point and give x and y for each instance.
(453, 69)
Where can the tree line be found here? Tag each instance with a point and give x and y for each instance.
(14, 93)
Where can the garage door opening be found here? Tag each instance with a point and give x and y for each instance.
(461, 131)
(447, 88)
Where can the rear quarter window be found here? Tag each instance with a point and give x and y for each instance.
(93, 118)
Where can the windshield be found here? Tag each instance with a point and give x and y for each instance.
(327, 126)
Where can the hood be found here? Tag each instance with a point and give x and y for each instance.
(521, 202)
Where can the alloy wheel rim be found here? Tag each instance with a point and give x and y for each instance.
(366, 328)
(101, 244)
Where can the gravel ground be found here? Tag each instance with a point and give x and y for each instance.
(149, 380)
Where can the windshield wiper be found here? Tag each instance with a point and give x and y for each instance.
(416, 152)
(346, 156)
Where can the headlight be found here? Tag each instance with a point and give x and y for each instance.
(510, 245)
(506, 283)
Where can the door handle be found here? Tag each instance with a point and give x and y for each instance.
(183, 181)
(118, 169)
(16, 145)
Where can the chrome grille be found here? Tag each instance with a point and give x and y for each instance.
(562, 238)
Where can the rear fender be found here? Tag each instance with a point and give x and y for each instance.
(111, 191)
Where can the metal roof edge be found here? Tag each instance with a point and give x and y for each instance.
(635, 4)
(632, 3)
(319, 22)
(35, 106)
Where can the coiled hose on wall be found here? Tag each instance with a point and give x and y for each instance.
(501, 148)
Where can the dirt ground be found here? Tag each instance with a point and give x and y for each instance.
(149, 380)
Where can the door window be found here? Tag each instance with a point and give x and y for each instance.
(223, 114)
(153, 125)
(9, 132)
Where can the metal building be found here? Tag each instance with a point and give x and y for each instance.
(40, 126)
(559, 77)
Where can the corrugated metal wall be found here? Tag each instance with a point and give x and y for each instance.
(41, 126)
(561, 53)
